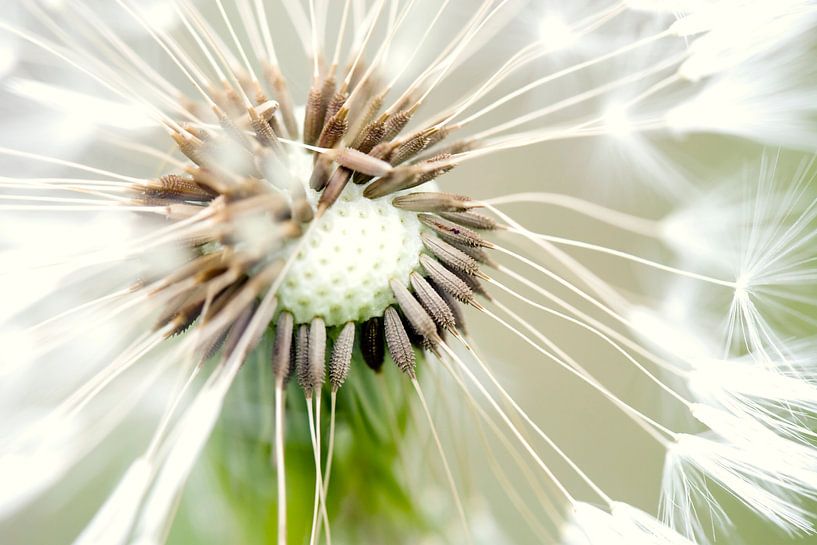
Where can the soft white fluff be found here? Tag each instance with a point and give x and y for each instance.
(623, 525)
(769, 474)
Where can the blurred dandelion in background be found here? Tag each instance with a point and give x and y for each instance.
(408, 271)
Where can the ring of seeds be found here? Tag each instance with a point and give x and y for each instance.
(351, 233)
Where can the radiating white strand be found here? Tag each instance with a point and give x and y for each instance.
(69, 164)
(221, 51)
(598, 328)
(631, 257)
(521, 505)
(299, 19)
(417, 49)
(105, 52)
(319, 507)
(112, 523)
(126, 50)
(782, 402)
(95, 110)
(192, 432)
(771, 214)
(598, 285)
(169, 47)
(622, 525)
(108, 72)
(734, 32)
(635, 224)
(565, 72)
(646, 423)
(765, 472)
(447, 469)
(280, 465)
(247, 65)
(61, 54)
(777, 110)
(522, 58)
(50, 448)
(545, 501)
(536, 458)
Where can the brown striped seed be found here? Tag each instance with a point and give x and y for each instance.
(334, 129)
(263, 130)
(398, 342)
(414, 311)
(174, 187)
(409, 148)
(238, 328)
(215, 345)
(335, 105)
(452, 232)
(371, 343)
(450, 256)
(282, 347)
(479, 254)
(189, 146)
(398, 179)
(362, 121)
(317, 354)
(321, 172)
(471, 219)
(370, 136)
(453, 304)
(334, 188)
(302, 358)
(341, 359)
(441, 134)
(224, 298)
(430, 201)
(197, 132)
(383, 150)
(313, 121)
(435, 167)
(327, 94)
(278, 84)
(360, 162)
(474, 283)
(397, 123)
(447, 280)
(432, 302)
(182, 319)
(233, 131)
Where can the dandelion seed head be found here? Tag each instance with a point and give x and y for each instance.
(286, 234)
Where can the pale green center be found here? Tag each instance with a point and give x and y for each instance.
(342, 273)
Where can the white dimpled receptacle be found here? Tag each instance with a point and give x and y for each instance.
(343, 270)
